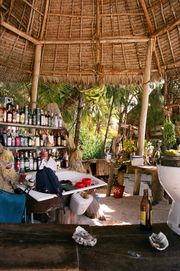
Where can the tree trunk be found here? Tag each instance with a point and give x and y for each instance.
(78, 119)
(109, 119)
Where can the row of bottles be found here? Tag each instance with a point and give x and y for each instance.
(26, 161)
(25, 115)
(14, 137)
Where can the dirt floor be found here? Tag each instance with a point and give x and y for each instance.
(121, 211)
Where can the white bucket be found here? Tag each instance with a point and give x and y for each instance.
(78, 204)
(137, 161)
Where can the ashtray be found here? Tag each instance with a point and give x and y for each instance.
(159, 241)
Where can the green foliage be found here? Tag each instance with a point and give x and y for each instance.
(91, 145)
(169, 134)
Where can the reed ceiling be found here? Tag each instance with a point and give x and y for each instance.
(84, 41)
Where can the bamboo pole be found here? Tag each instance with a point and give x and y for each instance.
(18, 32)
(35, 76)
(145, 99)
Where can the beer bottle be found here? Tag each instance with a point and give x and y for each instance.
(145, 212)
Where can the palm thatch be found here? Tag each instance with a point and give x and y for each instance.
(85, 41)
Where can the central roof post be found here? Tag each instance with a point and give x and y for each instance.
(35, 76)
(145, 99)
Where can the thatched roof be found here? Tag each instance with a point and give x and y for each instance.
(88, 40)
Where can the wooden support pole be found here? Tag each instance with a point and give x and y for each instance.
(35, 76)
(145, 99)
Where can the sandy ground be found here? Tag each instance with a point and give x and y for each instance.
(121, 211)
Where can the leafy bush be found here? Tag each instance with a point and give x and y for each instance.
(91, 145)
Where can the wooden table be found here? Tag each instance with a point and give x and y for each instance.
(118, 248)
(157, 190)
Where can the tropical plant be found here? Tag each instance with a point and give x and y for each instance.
(169, 134)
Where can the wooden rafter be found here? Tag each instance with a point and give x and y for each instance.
(151, 30)
(166, 28)
(44, 19)
(18, 32)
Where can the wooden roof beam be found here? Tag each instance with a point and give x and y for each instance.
(166, 28)
(151, 30)
(18, 32)
(44, 19)
(125, 39)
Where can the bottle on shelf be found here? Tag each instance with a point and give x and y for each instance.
(2, 137)
(21, 170)
(9, 138)
(17, 114)
(35, 161)
(34, 117)
(31, 161)
(17, 139)
(13, 134)
(22, 116)
(5, 113)
(26, 114)
(14, 112)
(38, 116)
(1, 112)
(26, 162)
(37, 139)
(42, 118)
(65, 160)
(30, 117)
(9, 114)
(17, 162)
(21, 138)
(145, 212)
(38, 161)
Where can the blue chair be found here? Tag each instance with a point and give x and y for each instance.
(12, 207)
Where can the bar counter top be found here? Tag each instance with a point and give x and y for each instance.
(51, 247)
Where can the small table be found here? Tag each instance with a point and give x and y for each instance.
(157, 190)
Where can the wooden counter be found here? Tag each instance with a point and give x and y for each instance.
(51, 247)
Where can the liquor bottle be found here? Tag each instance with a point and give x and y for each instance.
(21, 139)
(9, 114)
(17, 139)
(1, 113)
(65, 161)
(37, 139)
(5, 113)
(58, 138)
(38, 116)
(26, 114)
(13, 134)
(145, 212)
(21, 170)
(14, 114)
(9, 138)
(30, 117)
(31, 162)
(17, 114)
(26, 162)
(60, 121)
(17, 162)
(22, 116)
(34, 161)
(25, 139)
(42, 118)
(1, 137)
(34, 117)
(38, 161)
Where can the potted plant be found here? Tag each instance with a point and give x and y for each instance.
(117, 189)
(170, 157)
